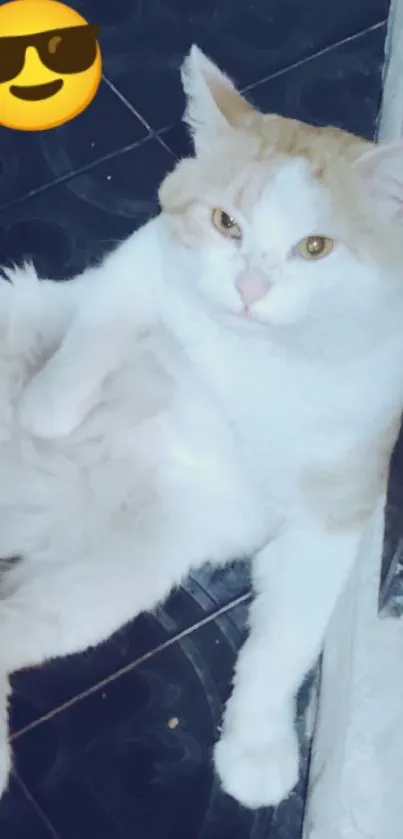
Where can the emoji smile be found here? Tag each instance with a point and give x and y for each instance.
(34, 93)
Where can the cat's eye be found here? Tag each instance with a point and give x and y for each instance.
(226, 224)
(314, 247)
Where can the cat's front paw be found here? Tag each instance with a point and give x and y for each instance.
(258, 774)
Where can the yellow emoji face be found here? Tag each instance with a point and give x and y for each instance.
(50, 64)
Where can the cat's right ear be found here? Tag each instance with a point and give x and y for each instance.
(214, 106)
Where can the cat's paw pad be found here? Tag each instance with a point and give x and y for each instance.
(258, 775)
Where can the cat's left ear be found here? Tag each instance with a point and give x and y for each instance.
(214, 106)
(382, 168)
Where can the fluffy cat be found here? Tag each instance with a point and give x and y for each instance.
(227, 382)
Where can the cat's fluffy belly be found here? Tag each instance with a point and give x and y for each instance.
(155, 452)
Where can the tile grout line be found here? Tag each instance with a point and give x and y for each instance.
(80, 171)
(155, 133)
(128, 104)
(243, 598)
(159, 137)
(89, 166)
(35, 806)
(284, 70)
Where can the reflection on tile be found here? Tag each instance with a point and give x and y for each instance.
(29, 160)
(341, 87)
(67, 227)
(19, 818)
(134, 757)
(144, 43)
(38, 692)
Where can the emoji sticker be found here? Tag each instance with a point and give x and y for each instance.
(50, 64)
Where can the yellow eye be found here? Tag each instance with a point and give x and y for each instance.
(226, 225)
(314, 247)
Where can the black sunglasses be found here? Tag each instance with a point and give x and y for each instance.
(72, 49)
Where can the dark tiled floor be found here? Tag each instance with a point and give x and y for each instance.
(187, 608)
(116, 743)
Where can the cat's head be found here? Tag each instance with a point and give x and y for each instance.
(288, 220)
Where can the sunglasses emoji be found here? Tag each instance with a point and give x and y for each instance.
(50, 64)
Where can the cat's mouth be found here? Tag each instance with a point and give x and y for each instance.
(248, 317)
(248, 313)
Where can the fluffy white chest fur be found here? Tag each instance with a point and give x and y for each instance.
(227, 383)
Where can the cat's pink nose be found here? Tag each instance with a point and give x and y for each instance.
(252, 286)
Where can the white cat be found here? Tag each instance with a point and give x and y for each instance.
(228, 382)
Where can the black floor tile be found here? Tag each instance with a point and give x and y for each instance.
(39, 692)
(71, 224)
(30, 159)
(340, 87)
(19, 818)
(144, 42)
(133, 759)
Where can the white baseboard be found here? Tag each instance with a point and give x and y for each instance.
(356, 779)
(391, 116)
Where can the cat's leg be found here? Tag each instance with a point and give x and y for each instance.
(115, 302)
(62, 394)
(298, 579)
